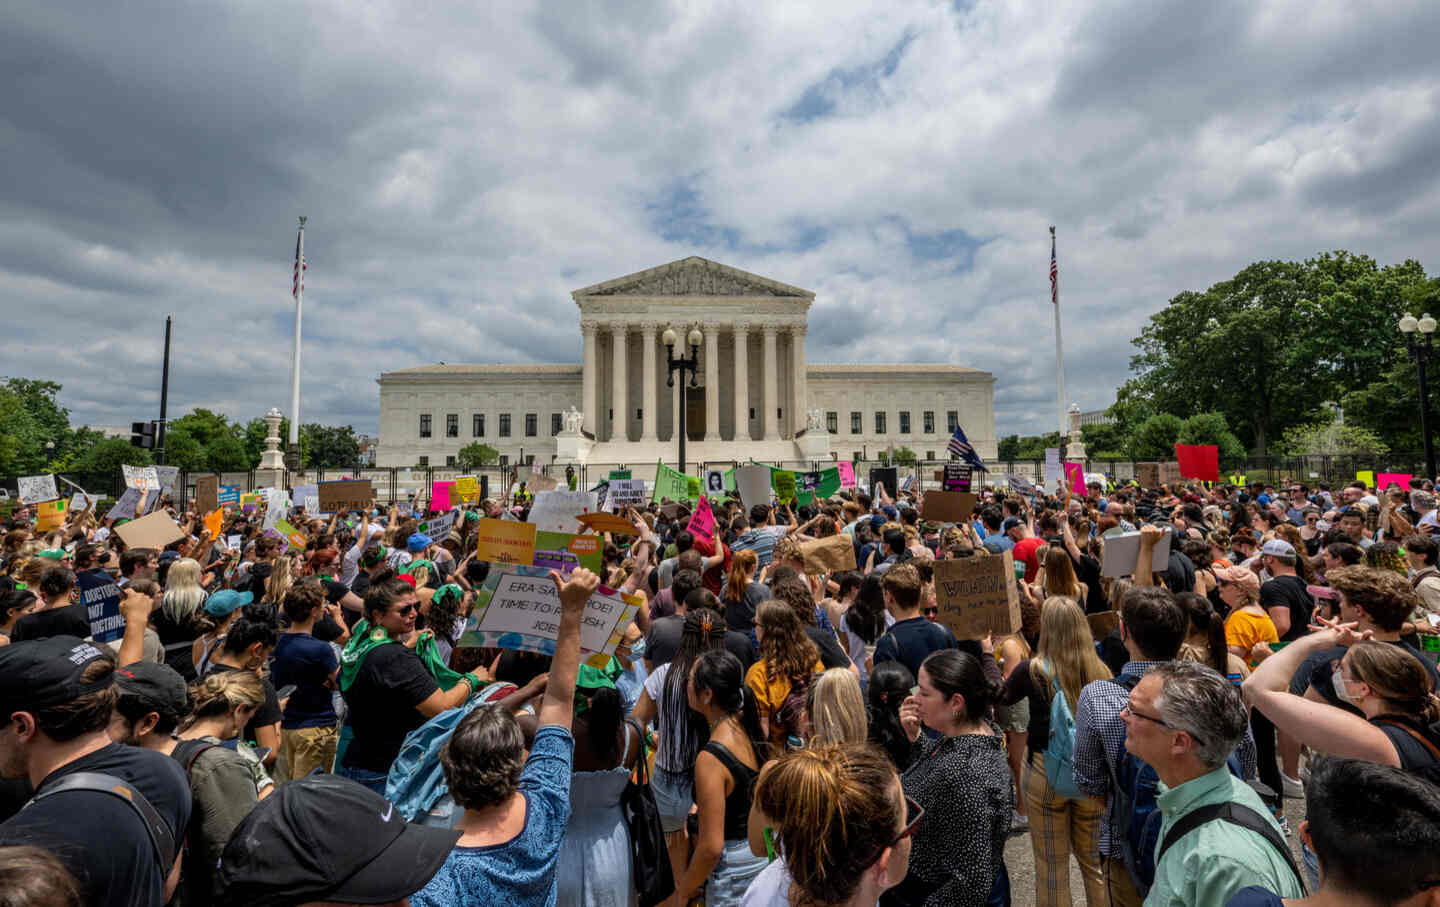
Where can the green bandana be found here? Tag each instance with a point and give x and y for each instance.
(365, 639)
(590, 679)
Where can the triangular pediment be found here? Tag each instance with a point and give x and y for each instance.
(694, 276)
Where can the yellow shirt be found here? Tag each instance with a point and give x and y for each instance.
(770, 695)
(1246, 628)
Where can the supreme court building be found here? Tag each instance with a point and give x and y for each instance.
(756, 395)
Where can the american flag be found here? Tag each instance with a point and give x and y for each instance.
(1054, 272)
(297, 285)
(960, 446)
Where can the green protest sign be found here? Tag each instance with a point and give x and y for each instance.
(673, 484)
(618, 474)
(783, 481)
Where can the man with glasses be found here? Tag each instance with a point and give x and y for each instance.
(1216, 836)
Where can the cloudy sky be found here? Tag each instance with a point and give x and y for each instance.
(465, 166)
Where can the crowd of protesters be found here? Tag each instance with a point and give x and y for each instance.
(284, 724)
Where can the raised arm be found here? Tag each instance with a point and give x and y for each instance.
(558, 706)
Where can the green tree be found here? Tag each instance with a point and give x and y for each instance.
(205, 426)
(904, 456)
(1155, 438)
(22, 452)
(1210, 428)
(253, 438)
(329, 445)
(1331, 438)
(1104, 442)
(1008, 448)
(182, 450)
(227, 454)
(1033, 447)
(476, 454)
(108, 455)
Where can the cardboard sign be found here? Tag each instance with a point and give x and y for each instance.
(308, 496)
(674, 511)
(50, 515)
(1170, 473)
(947, 506)
(207, 493)
(154, 531)
(1103, 624)
(956, 477)
(1122, 550)
(1383, 480)
(539, 483)
(715, 483)
(829, 555)
(702, 523)
(505, 542)
(339, 497)
(783, 481)
(101, 598)
(1148, 474)
(606, 522)
(847, 473)
(624, 493)
(34, 489)
(555, 511)
(889, 476)
(143, 477)
(126, 507)
(519, 608)
(753, 483)
(977, 595)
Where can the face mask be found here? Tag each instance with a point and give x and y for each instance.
(1338, 682)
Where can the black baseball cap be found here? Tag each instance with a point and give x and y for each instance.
(326, 838)
(159, 685)
(39, 673)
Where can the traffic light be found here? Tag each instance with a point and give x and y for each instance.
(142, 434)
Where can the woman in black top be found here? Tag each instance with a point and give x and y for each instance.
(725, 774)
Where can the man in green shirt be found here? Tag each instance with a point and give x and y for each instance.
(1216, 835)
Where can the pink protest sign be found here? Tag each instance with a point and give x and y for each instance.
(702, 522)
(440, 496)
(1383, 480)
(847, 473)
(1075, 477)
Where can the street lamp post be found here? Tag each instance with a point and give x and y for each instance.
(1420, 348)
(681, 365)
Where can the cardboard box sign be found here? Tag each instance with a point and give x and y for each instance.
(977, 595)
(154, 531)
(829, 555)
(1103, 623)
(888, 475)
(1148, 474)
(753, 483)
(1170, 474)
(539, 483)
(338, 497)
(207, 493)
(947, 506)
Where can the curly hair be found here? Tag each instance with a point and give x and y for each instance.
(483, 757)
(1386, 596)
(786, 650)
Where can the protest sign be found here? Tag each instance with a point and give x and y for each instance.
(1367, 476)
(783, 481)
(977, 595)
(817, 486)
(564, 552)
(702, 522)
(1199, 461)
(1170, 474)
(606, 522)
(154, 531)
(505, 542)
(1053, 472)
(673, 484)
(467, 488)
(101, 597)
(1122, 550)
(555, 511)
(1021, 485)
(957, 477)
(167, 476)
(1103, 623)
(214, 522)
(619, 474)
(624, 493)
(142, 477)
(50, 515)
(539, 483)
(947, 506)
(437, 527)
(1383, 480)
(228, 494)
(715, 483)
(846, 469)
(80, 500)
(828, 555)
(1148, 474)
(753, 483)
(34, 489)
(207, 493)
(307, 496)
(1075, 477)
(125, 508)
(518, 608)
(340, 497)
(888, 476)
(292, 536)
(674, 510)
(440, 496)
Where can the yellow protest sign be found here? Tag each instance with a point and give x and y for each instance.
(467, 488)
(1367, 476)
(50, 515)
(505, 542)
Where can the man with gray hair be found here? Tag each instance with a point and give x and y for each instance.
(1216, 835)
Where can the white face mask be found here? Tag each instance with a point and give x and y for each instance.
(1341, 689)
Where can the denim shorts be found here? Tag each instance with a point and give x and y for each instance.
(674, 795)
(732, 874)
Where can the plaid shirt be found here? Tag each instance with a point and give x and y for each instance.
(1100, 745)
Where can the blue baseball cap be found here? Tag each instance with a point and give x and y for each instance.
(417, 542)
(221, 603)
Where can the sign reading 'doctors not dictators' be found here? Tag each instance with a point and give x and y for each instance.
(519, 608)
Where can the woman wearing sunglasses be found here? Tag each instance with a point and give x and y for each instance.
(846, 829)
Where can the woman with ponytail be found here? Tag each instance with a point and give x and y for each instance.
(742, 594)
(1206, 641)
(725, 772)
(223, 704)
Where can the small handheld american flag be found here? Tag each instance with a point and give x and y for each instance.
(297, 285)
(960, 446)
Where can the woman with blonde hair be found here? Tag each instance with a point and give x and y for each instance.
(835, 709)
(1058, 576)
(788, 660)
(223, 703)
(278, 583)
(180, 620)
(1062, 820)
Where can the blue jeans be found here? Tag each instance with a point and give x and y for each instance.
(373, 780)
(1000, 891)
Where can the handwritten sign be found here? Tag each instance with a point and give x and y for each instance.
(50, 515)
(101, 598)
(339, 497)
(143, 477)
(34, 489)
(1148, 474)
(518, 608)
(977, 595)
(783, 481)
(440, 496)
(307, 496)
(1053, 472)
(207, 493)
(828, 555)
(154, 531)
(847, 473)
(626, 493)
(166, 476)
(126, 507)
(956, 477)
(555, 511)
(80, 500)
(947, 506)
(505, 542)
(438, 527)
(888, 476)
(702, 522)
(467, 488)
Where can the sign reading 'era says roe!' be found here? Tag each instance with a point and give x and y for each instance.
(977, 595)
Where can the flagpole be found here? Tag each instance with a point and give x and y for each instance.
(1059, 348)
(295, 357)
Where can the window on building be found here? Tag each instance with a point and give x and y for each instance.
(424, 425)
(530, 425)
(452, 425)
(929, 454)
(929, 421)
(904, 421)
(639, 414)
(423, 462)
(477, 425)
(504, 425)
(752, 414)
(554, 423)
(779, 413)
(880, 423)
(856, 424)
(832, 422)
(855, 456)
(449, 459)
(952, 421)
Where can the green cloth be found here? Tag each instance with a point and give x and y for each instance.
(364, 639)
(590, 678)
(1210, 864)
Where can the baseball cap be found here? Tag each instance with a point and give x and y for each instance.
(38, 673)
(223, 602)
(326, 838)
(1011, 522)
(1243, 577)
(417, 542)
(159, 685)
(1278, 548)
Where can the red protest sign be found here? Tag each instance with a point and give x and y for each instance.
(1199, 461)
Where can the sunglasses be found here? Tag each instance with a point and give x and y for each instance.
(408, 609)
(914, 812)
(931, 612)
(1160, 721)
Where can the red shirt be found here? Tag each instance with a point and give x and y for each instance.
(1024, 550)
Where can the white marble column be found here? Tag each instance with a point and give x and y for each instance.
(617, 396)
(771, 372)
(590, 381)
(742, 381)
(649, 393)
(801, 402)
(712, 380)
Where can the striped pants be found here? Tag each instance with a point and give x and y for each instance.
(1059, 826)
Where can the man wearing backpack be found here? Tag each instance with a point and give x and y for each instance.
(1216, 835)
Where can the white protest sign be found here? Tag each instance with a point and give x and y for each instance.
(125, 508)
(715, 483)
(1122, 551)
(143, 477)
(555, 511)
(166, 476)
(34, 489)
(530, 605)
(437, 527)
(625, 493)
(307, 496)
(753, 483)
(80, 499)
(276, 503)
(1054, 472)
